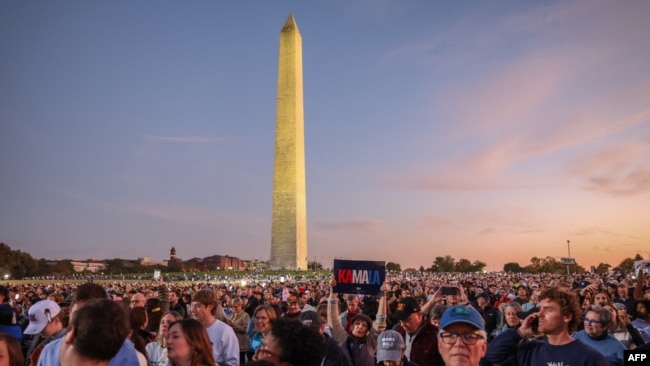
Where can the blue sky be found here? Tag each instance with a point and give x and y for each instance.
(490, 130)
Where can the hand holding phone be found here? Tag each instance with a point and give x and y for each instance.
(534, 325)
(448, 290)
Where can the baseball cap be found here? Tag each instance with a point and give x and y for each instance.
(390, 345)
(406, 307)
(462, 314)
(40, 314)
(292, 298)
(311, 319)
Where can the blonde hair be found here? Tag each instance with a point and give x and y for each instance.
(159, 337)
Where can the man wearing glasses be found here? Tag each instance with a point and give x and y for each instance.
(558, 315)
(597, 321)
(462, 339)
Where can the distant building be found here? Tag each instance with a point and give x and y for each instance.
(257, 264)
(145, 261)
(225, 262)
(173, 260)
(91, 266)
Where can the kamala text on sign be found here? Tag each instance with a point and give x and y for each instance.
(359, 276)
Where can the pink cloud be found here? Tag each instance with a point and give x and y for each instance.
(620, 170)
(434, 222)
(488, 230)
(351, 225)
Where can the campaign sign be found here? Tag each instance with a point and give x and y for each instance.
(363, 277)
(636, 357)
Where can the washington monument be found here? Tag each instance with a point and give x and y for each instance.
(289, 221)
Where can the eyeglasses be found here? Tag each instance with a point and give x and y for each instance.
(591, 322)
(468, 338)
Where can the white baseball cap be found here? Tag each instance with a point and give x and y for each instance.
(40, 314)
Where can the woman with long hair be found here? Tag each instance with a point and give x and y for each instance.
(11, 353)
(621, 328)
(138, 320)
(157, 350)
(188, 344)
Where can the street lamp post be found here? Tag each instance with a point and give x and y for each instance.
(568, 246)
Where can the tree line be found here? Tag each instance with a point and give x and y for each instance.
(18, 264)
(537, 265)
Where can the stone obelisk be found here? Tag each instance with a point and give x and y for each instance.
(289, 221)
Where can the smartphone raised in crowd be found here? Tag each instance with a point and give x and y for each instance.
(448, 290)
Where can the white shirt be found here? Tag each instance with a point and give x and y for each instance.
(225, 346)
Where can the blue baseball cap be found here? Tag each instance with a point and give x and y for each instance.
(462, 314)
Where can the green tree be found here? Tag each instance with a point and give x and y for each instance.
(390, 266)
(551, 265)
(117, 266)
(626, 265)
(17, 264)
(22, 265)
(512, 267)
(421, 269)
(463, 265)
(63, 268)
(577, 268)
(603, 268)
(478, 266)
(535, 265)
(444, 264)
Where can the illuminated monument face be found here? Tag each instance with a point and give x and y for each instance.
(289, 221)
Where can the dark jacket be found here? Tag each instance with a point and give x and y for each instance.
(491, 316)
(334, 354)
(179, 308)
(424, 348)
(359, 353)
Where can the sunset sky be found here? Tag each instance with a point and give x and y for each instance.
(488, 130)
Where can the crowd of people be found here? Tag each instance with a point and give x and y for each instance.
(424, 319)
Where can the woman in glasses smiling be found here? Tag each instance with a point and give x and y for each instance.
(597, 321)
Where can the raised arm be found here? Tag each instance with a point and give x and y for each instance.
(640, 281)
(379, 325)
(333, 320)
(437, 298)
